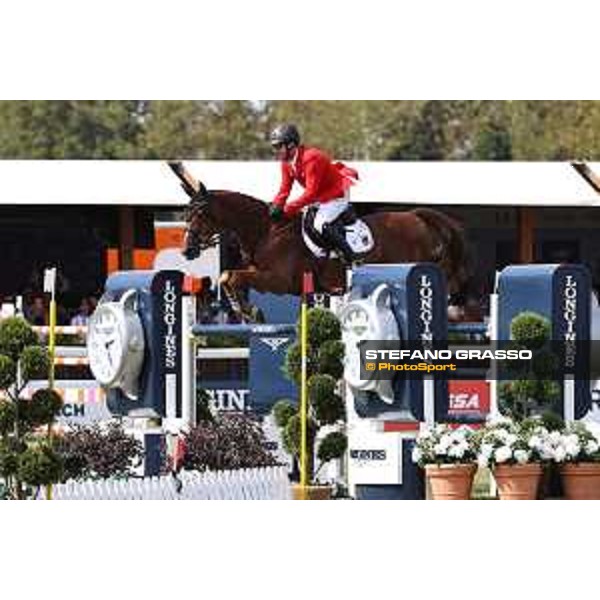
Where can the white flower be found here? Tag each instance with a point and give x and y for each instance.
(486, 450)
(456, 451)
(591, 447)
(510, 439)
(503, 454)
(440, 449)
(572, 448)
(483, 460)
(522, 456)
(559, 453)
(535, 441)
(555, 437)
(416, 454)
(546, 451)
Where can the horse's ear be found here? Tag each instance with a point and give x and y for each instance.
(202, 191)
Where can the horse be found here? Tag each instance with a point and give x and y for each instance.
(275, 257)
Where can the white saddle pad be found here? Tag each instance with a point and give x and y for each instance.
(358, 236)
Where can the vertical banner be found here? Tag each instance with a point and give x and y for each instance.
(166, 332)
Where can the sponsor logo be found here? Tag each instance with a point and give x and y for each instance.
(368, 455)
(169, 319)
(426, 308)
(275, 343)
(570, 318)
(229, 400)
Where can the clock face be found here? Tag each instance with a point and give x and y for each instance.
(106, 343)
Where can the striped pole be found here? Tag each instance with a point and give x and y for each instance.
(49, 287)
(307, 288)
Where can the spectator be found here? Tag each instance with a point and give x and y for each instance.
(82, 316)
(36, 312)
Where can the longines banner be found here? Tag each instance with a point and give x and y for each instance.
(166, 332)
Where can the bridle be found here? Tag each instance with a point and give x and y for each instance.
(206, 235)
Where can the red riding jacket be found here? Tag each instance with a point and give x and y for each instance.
(322, 179)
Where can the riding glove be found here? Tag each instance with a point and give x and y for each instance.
(276, 213)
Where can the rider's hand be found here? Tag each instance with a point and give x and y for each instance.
(276, 213)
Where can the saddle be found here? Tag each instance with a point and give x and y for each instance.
(357, 234)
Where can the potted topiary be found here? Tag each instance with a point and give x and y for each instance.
(448, 456)
(533, 390)
(326, 436)
(28, 458)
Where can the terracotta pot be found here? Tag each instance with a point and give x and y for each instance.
(313, 492)
(581, 481)
(518, 482)
(450, 482)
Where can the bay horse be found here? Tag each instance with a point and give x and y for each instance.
(275, 257)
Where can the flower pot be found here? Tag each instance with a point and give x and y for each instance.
(312, 492)
(450, 482)
(518, 482)
(581, 481)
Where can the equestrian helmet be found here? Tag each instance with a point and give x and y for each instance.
(285, 135)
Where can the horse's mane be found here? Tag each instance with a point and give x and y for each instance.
(251, 204)
(249, 216)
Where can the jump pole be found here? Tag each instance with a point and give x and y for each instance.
(307, 288)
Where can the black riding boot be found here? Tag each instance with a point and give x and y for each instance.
(336, 234)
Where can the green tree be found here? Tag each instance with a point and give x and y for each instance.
(70, 129)
(27, 458)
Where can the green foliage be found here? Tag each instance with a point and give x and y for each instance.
(523, 397)
(35, 363)
(325, 350)
(8, 372)
(330, 358)
(9, 458)
(532, 390)
(530, 329)
(283, 411)
(332, 446)
(15, 335)
(325, 353)
(71, 129)
(292, 363)
(45, 405)
(348, 129)
(493, 144)
(323, 326)
(40, 464)
(292, 432)
(8, 414)
(328, 407)
(551, 421)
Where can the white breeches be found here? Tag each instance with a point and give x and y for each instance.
(330, 211)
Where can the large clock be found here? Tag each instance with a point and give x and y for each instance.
(115, 344)
(367, 319)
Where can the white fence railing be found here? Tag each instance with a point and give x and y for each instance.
(268, 483)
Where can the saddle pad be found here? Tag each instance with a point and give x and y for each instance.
(358, 235)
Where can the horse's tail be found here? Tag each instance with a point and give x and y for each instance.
(450, 248)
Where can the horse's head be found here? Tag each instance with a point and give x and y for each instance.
(211, 213)
(201, 229)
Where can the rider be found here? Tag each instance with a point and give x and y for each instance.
(326, 184)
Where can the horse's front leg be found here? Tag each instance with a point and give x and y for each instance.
(233, 283)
